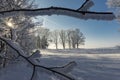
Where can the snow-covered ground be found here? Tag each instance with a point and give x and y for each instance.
(92, 64)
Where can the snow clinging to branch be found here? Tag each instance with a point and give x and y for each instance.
(86, 6)
(113, 3)
(60, 11)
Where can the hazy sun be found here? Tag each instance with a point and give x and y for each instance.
(9, 24)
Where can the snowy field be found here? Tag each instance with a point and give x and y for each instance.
(92, 64)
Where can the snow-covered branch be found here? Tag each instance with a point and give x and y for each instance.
(60, 11)
(113, 3)
(62, 71)
(86, 5)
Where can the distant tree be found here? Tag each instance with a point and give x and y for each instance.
(80, 39)
(55, 37)
(44, 42)
(69, 38)
(43, 35)
(73, 38)
(77, 38)
(63, 38)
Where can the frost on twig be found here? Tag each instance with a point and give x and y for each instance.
(60, 72)
(86, 6)
(35, 57)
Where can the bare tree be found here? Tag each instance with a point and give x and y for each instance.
(55, 37)
(43, 35)
(69, 38)
(76, 38)
(73, 39)
(63, 36)
(80, 39)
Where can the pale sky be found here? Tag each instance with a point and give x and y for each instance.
(97, 33)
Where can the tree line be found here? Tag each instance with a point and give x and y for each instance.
(71, 37)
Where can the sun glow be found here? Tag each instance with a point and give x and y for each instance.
(10, 24)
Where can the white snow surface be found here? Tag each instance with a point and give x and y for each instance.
(92, 64)
(16, 71)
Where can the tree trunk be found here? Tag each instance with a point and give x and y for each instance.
(77, 45)
(56, 45)
(64, 46)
